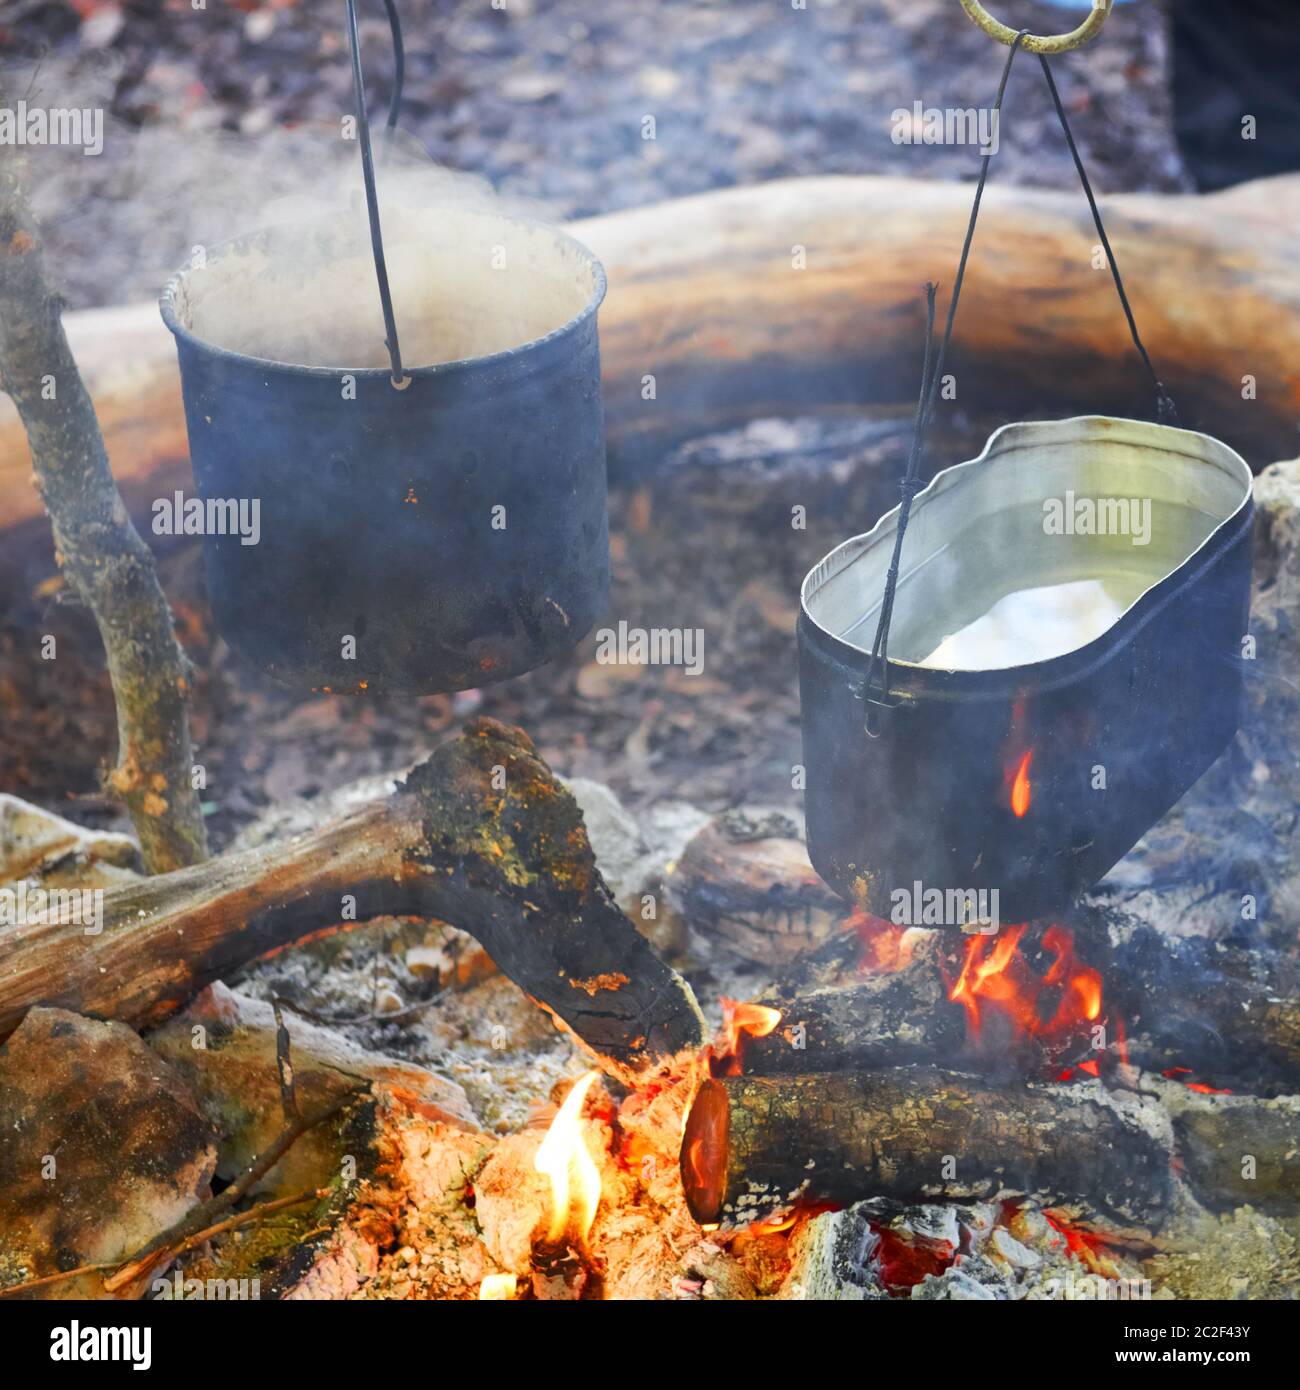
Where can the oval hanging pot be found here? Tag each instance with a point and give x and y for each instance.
(996, 711)
(1065, 661)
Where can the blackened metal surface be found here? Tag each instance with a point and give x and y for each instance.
(1152, 702)
(377, 513)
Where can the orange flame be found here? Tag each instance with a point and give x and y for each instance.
(994, 974)
(772, 1225)
(1089, 1247)
(1201, 1087)
(884, 948)
(497, 1288)
(566, 1161)
(758, 1020)
(1021, 788)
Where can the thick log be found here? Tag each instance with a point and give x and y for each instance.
(1231, 1014)
(704, 295)
(759, 1146)
(481, 835)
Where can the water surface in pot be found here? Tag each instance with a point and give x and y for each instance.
(1007, 587)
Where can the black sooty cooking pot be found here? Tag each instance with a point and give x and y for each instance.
(442, 535)
(1052, 690)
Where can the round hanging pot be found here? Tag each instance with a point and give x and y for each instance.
(435, 535)
(396, 516)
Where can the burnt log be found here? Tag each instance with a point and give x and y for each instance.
(884, 1021)
(481, 834)
(1230, 1013)
(756, 1147)
(702, 292)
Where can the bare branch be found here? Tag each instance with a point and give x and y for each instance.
(101, 552)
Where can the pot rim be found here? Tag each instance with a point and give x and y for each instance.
(438, 370)
(936, 680)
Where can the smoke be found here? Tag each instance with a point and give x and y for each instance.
(118, 225)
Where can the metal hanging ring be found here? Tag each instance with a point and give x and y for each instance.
(1041, 43)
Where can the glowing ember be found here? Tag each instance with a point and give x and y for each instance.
(996, 975)
(1089, 1247)
(771, 1225)
(1021, 788)
(885, 948)
(497, 1288)
(1177, 1073)
(575, 1179)
(904, 1263)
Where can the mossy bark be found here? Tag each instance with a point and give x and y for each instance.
(481, 835)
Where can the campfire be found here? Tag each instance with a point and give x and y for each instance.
(968, 973)
(904, 1111)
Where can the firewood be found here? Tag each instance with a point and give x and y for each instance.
(481, 834)
(883, 1021)
(757, 1146)
(1229, 1013)
(704, 294)
(745, 878)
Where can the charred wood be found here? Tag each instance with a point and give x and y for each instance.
(481, 834)
(757, 1146)
(1230, 1012)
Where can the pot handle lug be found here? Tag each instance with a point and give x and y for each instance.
(872, 704)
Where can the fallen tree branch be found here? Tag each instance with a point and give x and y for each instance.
(221, 1228)
(481, 834)
(101, 552)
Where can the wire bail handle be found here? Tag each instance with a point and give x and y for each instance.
(875, 686)
(400, 380)
(1040, 43)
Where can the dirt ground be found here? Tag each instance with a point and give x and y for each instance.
(546, 101)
